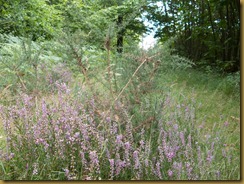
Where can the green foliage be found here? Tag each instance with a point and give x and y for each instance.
(25, 64)
(206, 30)
(30, 18)
(231, 84)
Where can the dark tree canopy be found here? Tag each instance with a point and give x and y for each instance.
(208, 32)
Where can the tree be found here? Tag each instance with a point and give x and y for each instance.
(208, 32)
(31, 17)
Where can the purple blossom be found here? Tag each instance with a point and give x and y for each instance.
(119, 139)
(111, 161)
(209, 156)
(118, 165)
(35, 170)
(146, 162)
(10, 156)
(158, 170)
(176, 127)
(77, 135)
(136, 160)
(127, 151)
(142, 143)
(108, 119)
(182, 137)
(200, 126)
(170, 173)
(127, 145)
(114, 128)
(189, 169)
(199, 156)
(94, 158)
(94, 161)
(170, 155)
(83, 160)
(226, 123)
(66, 171)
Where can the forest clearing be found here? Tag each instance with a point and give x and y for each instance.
(81, 100)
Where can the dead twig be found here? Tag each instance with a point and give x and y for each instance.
(129, 81)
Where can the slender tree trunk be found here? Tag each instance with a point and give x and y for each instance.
(213, 28)
(120, 35)
(223, 36)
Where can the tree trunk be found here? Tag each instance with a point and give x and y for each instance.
(120, 35)
(213, 29)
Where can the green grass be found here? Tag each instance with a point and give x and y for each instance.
(206, 89)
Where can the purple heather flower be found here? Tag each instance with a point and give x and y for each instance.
(127, 150)
(113, 129)
(189, 170)
(83, 159)
(187, 109)
(10, 156)
(170, 155)
(108, 119)
(178, 167)
(66, 171)
(119, 140)
(182, 137)
(170, 173)
(210, 156)
(142, 143)
(93, 156)
(176, 127)
(118, 165)
(226, 123)
(169, 122)
(35, 170)
(146, 162)
(158, 171)
(199, 156)
(77, 134)
(111, 161)
(201, 126)
(189, 141)
(127, 146)
(136, 159)
(218, 175)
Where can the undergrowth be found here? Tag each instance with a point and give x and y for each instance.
(150, 116)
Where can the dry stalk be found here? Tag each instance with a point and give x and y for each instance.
(3, 91)
(108, 48)
(127, 84)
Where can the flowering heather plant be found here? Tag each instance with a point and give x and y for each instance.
(59, 138)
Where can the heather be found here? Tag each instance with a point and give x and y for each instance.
(65, 138)
(140, 115)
